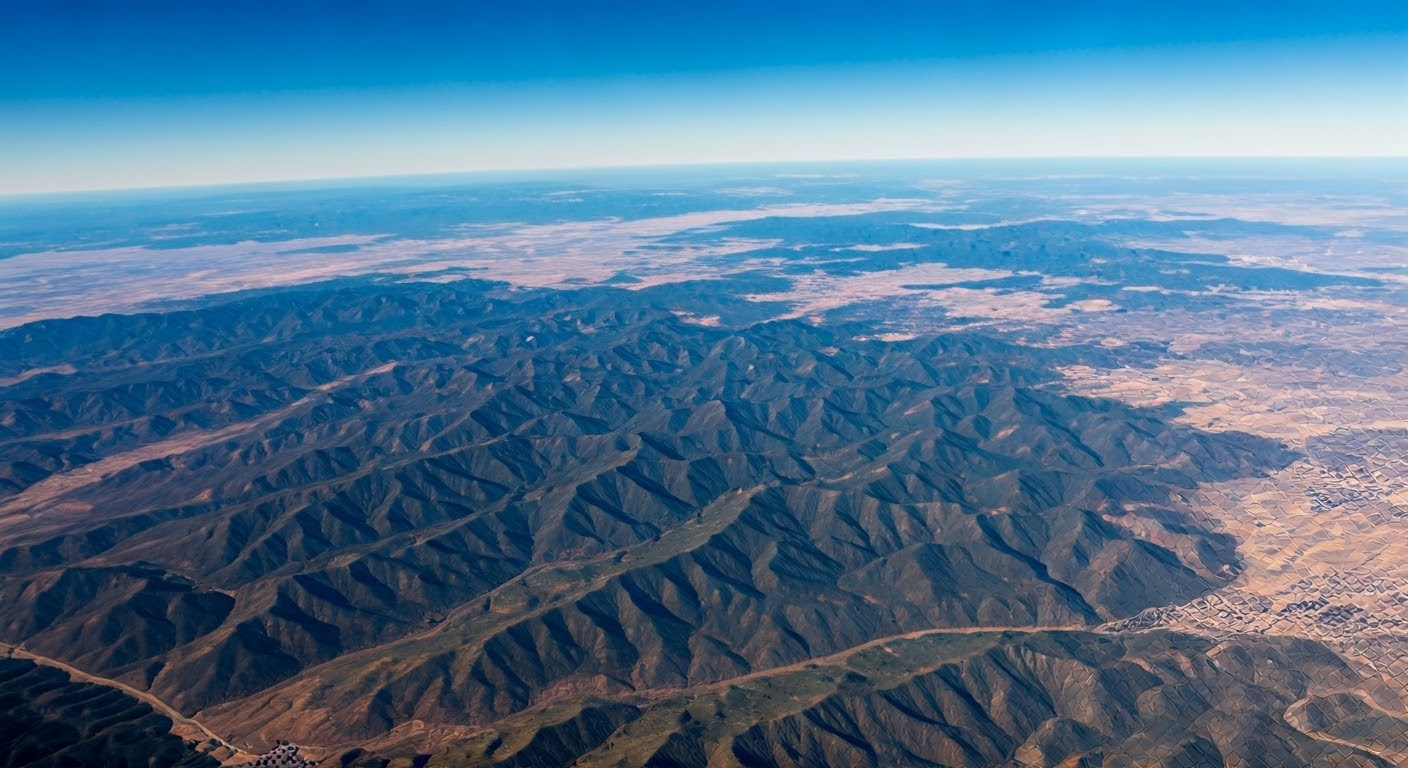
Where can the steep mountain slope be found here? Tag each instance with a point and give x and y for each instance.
(326, 514)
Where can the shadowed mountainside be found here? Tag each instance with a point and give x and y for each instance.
(50, 720)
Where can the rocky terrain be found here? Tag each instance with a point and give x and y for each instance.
(326, 513)
(849, 486)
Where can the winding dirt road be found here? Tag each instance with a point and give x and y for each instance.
(187, 727)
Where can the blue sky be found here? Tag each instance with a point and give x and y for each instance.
(133, 94)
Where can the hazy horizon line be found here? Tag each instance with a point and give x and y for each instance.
(317, 181)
